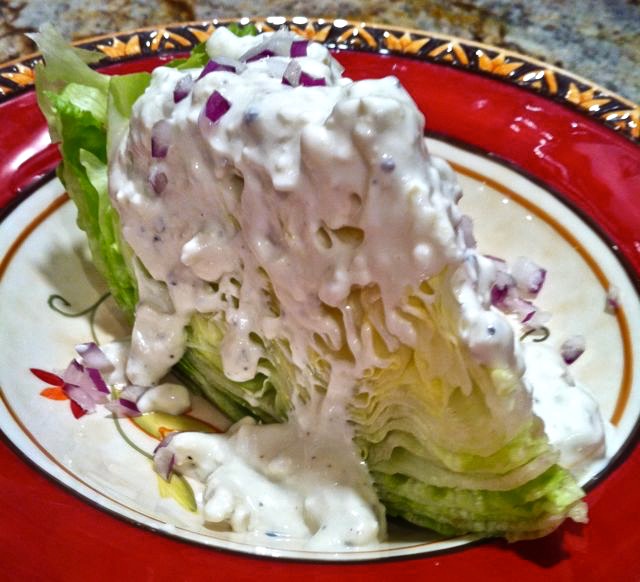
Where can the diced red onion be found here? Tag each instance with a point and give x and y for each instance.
(81, 397)
(537, 319)
(133, 392)
(508, 292)
(220, 64)
(183, 88)
(299, 48)
(160, 138)
(524, 309)
(216, 107)
(122, 408)
(93, 357)
(75, 374)
(498, 295)
(163, 458)
(308, 81)
(158, 180)
(502, 285)
(613, 299)
(84, 386)
(97, 380)
(278, 44)
(86, 399)
(126, 404)
(265, 54)
(237, 65)
(528, 275)
(572, 349)
(295, 76)
(291, 75)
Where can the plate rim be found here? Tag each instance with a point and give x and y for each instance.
(580, 94)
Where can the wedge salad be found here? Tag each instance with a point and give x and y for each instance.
(281, 238)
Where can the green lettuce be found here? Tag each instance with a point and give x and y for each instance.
(451, 445)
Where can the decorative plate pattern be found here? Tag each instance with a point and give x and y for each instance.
(596, 102)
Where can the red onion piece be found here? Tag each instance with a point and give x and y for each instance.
(160, 138)
(158, 181)
(75, 374)
(291, 75)
(84, 386)
(572, 349)
(238, 66)
(528, 275)
(97, 380)
(525, 310)
(126, 404)
(299, 48)
(613, 299)
(265, 54)
(278, 44)
(133, 392)
(219, 64)
(498, 295)
(502, 286)
(93, 357)
(122, 408)
(537, 319)
(183, 88)
(163, 457)
(216, 107)
(84, 399)
(508, 293)
(308, 81)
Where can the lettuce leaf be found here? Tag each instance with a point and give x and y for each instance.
(75, 101)
(196, 60)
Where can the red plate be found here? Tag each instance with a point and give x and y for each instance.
(513, 108)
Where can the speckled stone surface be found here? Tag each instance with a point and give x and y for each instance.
(597, 39)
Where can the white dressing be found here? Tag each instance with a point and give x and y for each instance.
(571, 416)
(167, 397)
(320, 191)
(279, 481)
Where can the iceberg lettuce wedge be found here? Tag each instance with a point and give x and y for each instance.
(451, 444)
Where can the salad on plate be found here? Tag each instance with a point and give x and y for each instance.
(281, 238)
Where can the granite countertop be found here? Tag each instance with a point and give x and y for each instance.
(596, 39)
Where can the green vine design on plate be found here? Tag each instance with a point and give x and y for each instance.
(537, 334)
(91, 310)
